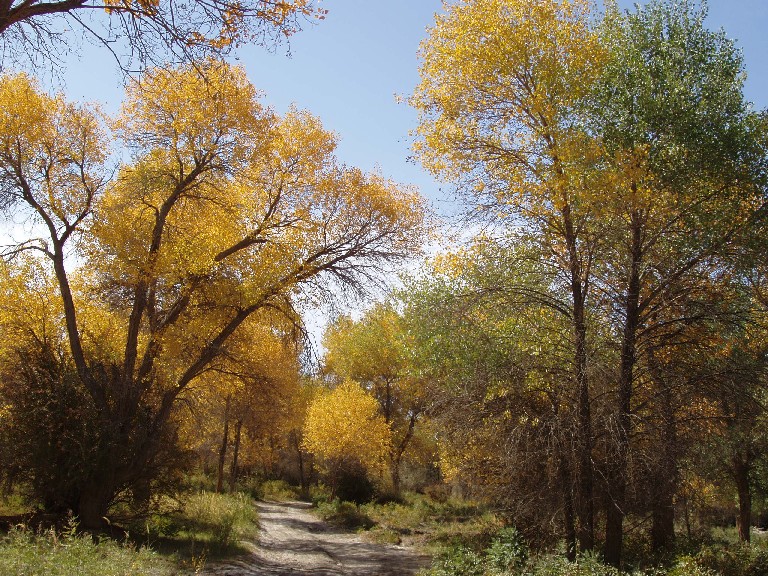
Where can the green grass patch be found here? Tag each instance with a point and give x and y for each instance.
(24, 552)
(433, 525)
(202, 525)
(178, 538)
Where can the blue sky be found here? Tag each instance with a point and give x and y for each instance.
(348, 69)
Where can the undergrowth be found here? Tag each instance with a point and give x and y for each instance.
(24, 552)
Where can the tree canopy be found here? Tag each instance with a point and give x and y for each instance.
(224, 211)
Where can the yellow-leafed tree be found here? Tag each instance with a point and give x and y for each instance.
(373, 352)
(224, 210)
(345, 429)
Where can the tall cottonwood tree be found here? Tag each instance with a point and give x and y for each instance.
(503, 84)
(225, 209)
(689, 169)
(490, 340)
(626, 147)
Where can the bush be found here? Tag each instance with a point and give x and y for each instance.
(587, 565)
(25, 553)
(687, 566)
(458, 560)
(508, 551)
(353, 485)
(738, 560)
(277, 490)
(344, 514)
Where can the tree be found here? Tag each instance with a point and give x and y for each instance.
(224, 211)
(372, 351)
(146, 32)
(625, 147)
(345, 429)
(503, 85)
(490, 339)
(686, 151)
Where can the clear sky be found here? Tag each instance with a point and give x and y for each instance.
(348, 69)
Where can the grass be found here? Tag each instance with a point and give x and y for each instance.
(201, 525)
(50, 553)
(429, 524)
(412, 519)
(179, 538)
(278, 490)
(466, 539)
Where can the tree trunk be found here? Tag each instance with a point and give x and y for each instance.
(586, 530)
(235, 453)
(223, 450)
(741, 468)
(665, 481)
(585, 495)
(617, 473)
(396, 454)
(569, 524)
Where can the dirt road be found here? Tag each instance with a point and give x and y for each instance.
(294, 542)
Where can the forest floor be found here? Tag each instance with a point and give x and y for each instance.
(292, 541)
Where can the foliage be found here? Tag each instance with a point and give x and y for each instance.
(734, 560)
(345, 429)
(615, 163)
(277, 490)
(508, 551)
(225, 217)
(459, 560)
(373, 352)
(26, 553)
(346, 514)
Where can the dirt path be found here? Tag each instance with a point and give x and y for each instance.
(294, 542)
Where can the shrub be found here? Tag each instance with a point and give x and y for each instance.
(508, 550)
(587, 565)
(738, 560)
(277, 490)
(687, 566)
(458, 560)
(345, 514)
(353, 484)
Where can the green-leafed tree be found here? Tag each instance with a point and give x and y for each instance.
(685, 149)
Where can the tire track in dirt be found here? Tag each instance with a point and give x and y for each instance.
(293, 542)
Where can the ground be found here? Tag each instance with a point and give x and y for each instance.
(293, 542)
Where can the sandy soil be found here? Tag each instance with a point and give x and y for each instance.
(294, 542)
